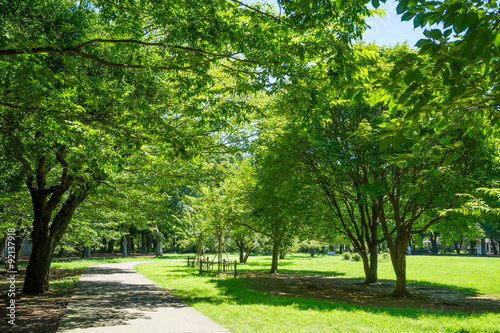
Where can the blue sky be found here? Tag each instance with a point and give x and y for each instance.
(387, 30)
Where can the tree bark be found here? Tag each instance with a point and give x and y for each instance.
(18, 244)
(124, 246)
(433, 236)
(159, 248)
(274, 263)
(111, 246)
(399, 264)
(88, 252)
(48, 228)
(493, 246)
(148, 242)
(483, 247)
(458, 245)
(3, 250)
(103, 246)
(472, 246)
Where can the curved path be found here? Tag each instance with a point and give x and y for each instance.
(116, 298)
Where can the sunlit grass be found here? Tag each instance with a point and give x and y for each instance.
(231, 302)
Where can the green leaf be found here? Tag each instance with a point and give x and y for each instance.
(402, 6)
(384, 143)
(376, 3)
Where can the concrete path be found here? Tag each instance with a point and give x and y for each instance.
(115, 298)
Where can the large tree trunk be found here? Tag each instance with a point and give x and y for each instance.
(398, 256)
(274, 264)
(48, 228)
(433, 237)
(483, 247)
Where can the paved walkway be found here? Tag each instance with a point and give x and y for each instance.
(115, 298)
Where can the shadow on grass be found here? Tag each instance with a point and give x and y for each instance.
(238, 291)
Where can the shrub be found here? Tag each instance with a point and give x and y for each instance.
(346, 256)
(385, 256)
(356, 257)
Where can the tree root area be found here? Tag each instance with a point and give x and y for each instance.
(37, 313)
(353, 291)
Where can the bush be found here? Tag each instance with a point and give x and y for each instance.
(356, 257)
(385, 256)
(346, 256)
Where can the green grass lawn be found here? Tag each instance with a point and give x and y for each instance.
(234, 305)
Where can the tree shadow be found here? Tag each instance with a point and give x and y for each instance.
(308, 295)
(106, 301)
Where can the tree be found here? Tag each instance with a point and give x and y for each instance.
(344, 161)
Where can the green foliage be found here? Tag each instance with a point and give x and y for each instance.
(355, 257)
(346, 256)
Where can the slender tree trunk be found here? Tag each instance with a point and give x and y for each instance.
(88, 252)
(312, 252)
(274, 264)
(472, 246)
(249, 250)
(124, 246)
(242, 254)
(18, 244)
(148, 242)
(159, 248)
(3, 251)
(143, 244)
(111, 246)
(493, 246)
(132, 245)
(103, 246)
(483, 247)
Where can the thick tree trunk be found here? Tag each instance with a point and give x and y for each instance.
(48, 228)
(312, 252)
(399, 264)
(274, 263)
(37, 272)
(483, 247)
(433, 237)
(111, 246)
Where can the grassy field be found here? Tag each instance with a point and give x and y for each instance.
(233, 304)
